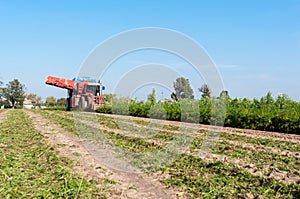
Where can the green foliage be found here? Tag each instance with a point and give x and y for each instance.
(158, 111)
(50, 101)
(120, 106)
(61, 101)
(183, 88)
(108, 98)
(140, 109)
(202, 179)
(36, 100)
(55, 108)
(281, 114)
(105, 109)
(14, 92)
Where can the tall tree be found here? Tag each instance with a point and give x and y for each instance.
(205, 90)
(183, 88)
(14, 92)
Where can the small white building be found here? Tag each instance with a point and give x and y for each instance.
(27, 104)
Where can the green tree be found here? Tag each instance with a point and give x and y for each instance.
(183, 88)
(50, 101)
(205, 90)
(152, 97)
(14, 92)
(61, 101)
(36, 100)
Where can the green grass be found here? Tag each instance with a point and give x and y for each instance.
(30, 168)
(56, 108)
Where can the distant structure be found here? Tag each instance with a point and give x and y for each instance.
(27, 104)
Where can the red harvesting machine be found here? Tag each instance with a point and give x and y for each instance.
(83, 93)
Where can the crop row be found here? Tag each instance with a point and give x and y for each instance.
(281, 114)
(222, 147)
(194, 175)
(29, 168)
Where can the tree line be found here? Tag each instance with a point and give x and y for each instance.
(281, 114)
(13, 95)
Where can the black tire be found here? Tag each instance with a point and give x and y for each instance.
(89, 102)
(68, 108)
(82, 103)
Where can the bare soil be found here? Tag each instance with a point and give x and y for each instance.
(137, 185)
(263, 148)
(3, 115)
(128, 185)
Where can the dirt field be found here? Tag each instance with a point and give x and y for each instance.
(242, 163)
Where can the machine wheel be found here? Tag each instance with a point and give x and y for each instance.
(89, 102)
(82, 103)
(68, 106)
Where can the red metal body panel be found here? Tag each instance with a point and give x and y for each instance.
(60, 82)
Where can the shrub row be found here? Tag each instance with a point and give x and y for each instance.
(281, 114)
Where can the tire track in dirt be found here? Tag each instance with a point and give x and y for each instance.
(3, 118)
(3, 115)
(128, 185)
(121, 132)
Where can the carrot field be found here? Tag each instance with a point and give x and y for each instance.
(31, 168)
(242, 164)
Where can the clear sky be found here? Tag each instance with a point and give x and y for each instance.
(255, 44)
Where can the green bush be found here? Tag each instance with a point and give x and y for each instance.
(55, 108)
(268, 114)
(105, 109)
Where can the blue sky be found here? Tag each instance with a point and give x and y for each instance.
(255, 44)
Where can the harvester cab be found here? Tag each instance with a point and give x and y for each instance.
(83, 93)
